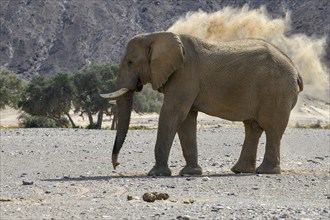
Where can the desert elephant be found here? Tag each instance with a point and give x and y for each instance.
(246, 80)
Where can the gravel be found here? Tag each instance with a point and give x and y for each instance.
(67, 174)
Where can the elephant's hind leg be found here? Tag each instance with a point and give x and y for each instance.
(187, 136)
(271, 161)
(247, 160)
(274, 129)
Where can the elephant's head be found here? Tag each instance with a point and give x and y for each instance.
(148, 58)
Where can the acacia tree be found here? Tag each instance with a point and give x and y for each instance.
(49, 97)
(89, 83)
(11, 89)
(108, 75)
(34, 99)
(60, 93)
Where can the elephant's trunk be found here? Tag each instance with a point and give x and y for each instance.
(124, 107)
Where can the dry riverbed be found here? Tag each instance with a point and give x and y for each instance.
(67, 174)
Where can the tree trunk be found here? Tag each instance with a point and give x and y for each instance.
(99, 119)
(70, 119)
(114, 123)
(90, 118)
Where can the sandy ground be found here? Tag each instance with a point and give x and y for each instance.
(71, 177)
(9, 118)
(310, 114)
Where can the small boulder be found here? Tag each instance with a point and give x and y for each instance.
(27, 182)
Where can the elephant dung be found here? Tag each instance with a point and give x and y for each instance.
(153, 196)
(149, 197)
(162, 196)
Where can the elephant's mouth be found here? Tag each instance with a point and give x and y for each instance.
(139, 86)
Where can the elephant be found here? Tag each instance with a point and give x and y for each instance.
(248, 80)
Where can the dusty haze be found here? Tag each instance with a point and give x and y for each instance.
(233, 23)
(237, 23)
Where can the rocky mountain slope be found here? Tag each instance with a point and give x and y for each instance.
(46, 36)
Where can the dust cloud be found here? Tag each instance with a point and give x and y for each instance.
(237, 23)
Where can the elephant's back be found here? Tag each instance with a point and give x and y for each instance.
(263, 58)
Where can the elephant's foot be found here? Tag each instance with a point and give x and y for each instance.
(191, 170)
(244, 167)
(160, 171)
(266, 168)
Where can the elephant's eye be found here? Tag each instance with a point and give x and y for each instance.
(129, 63)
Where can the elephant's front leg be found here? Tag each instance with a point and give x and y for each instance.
(170, 118)
(187, 135)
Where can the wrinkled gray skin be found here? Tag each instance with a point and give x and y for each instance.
(247, 80)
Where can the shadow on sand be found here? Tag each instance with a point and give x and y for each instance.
(143, 176)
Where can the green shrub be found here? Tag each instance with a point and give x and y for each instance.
(147, 101)
(11, 89)
(316, 125)
(93, 126)
(28, 121)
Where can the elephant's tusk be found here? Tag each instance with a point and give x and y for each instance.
(115, 162)
(112, 102)
(115, 94)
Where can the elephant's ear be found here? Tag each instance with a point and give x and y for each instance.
(166, 54)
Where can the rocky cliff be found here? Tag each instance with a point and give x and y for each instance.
(47, 36)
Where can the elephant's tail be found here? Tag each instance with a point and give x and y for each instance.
(300, 82)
